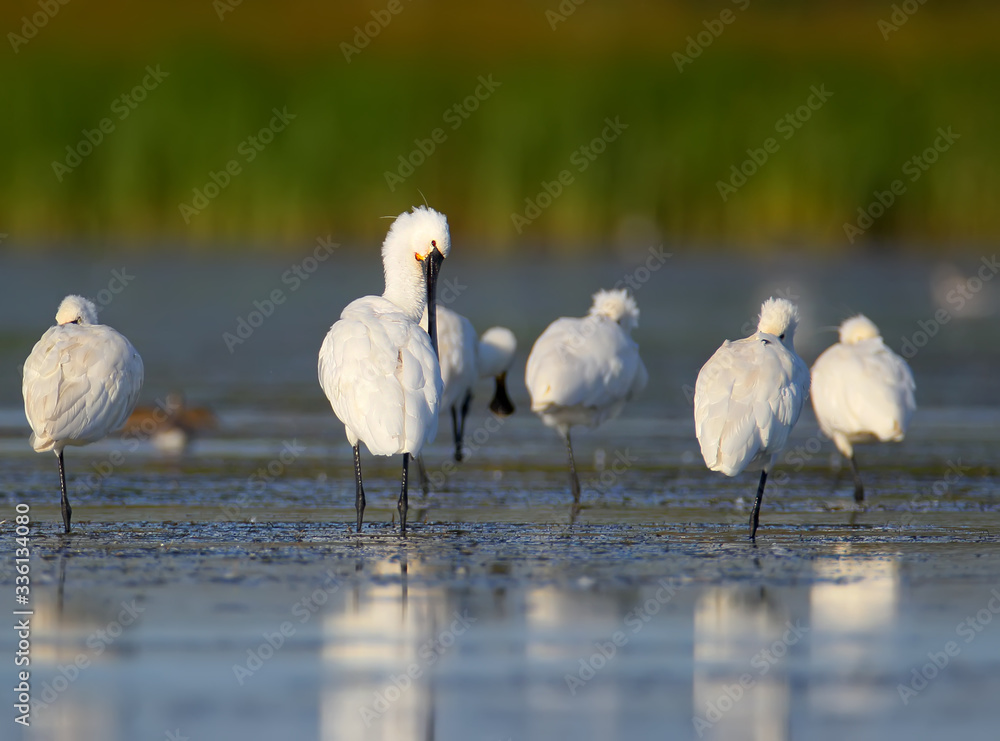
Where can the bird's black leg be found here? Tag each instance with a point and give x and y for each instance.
(404, 503)
(359, 495)
(67, 511)
(422, 474)
(755, 515)
(457, 432)
(859, 488)
(574, 480)
(464, 414)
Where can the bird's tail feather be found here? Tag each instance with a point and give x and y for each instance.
(41, 444)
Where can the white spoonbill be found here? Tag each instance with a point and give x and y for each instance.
(861, 391)
(81, 382)
(494, 356)
(378, 368)
(748, 397)
(464, 360)
(581, 371)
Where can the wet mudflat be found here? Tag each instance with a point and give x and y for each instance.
(223, 595)
(191, 604)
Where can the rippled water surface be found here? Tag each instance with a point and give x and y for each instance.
(222, 594)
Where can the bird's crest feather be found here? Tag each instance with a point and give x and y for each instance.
(778, 316)
(618, 306)
(858, 328)
(76, 309)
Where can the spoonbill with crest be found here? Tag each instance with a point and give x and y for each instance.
(378, 368)
(748, 397)
(861, 392)
(581, 371)
(81, 382)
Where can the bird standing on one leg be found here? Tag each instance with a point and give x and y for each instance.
(861, 392)
(748, 397)
(378, 368)
(81, 382)
(581, 371)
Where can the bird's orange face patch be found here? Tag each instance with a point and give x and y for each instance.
(420, 257)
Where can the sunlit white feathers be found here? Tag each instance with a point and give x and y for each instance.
(495, 351)
(376, 365)
(581, 371)
(861, 390)
(81, 380)
(749, 394)
(457, 354)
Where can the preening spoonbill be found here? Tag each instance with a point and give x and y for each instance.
(464, 360)
(748, 397)
(581, 371)
(170, 425)
(378, 368)
(81, 381)
(862, 392)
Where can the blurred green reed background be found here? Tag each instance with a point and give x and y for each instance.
(229, 65)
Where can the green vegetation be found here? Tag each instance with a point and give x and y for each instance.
(325, 172)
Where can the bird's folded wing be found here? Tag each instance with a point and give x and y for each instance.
(640, 378)
(420, 379)
(357, 370)
(585, 362)
(748, 396)
(80, 384)
(787, 377)
(884, 398)
(725, 419)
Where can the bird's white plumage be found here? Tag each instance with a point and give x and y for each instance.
(81, 380)
(749, 394)
(376, 365)
(382, 377)
(457, 354)
(581, 371)
(861, 390)
(464, 358)
(495, 351)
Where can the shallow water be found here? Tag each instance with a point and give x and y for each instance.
(501, 616)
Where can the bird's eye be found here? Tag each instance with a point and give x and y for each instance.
(781, 336)
(434, 243)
